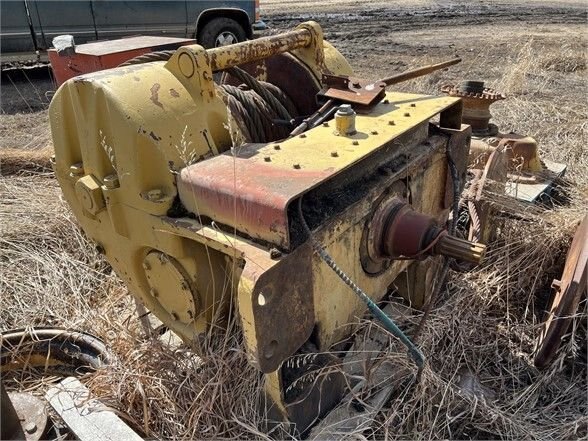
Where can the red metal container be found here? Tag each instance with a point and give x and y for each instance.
(100, 55)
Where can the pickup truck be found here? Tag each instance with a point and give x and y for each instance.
(29, 26)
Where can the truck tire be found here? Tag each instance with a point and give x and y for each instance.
(221, 31)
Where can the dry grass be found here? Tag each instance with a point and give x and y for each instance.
(485, 322)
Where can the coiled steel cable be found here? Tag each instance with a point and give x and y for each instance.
(255, 105)
(149, 57)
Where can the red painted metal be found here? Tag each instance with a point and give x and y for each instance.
(247, 193)
(100, 55)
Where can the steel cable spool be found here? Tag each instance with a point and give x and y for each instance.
(255, 104)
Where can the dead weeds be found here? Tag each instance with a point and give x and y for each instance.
(484, 323)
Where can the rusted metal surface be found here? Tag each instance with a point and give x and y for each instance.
(491, 178)
(353, 90)
(225, 57)
(100, 55)
(233, 188)
(283, 308)
(568, 293)
(251, 187)
(418, 72)
(477, 100)
(288, 74)
(10, 424)
(405, 232)
(401, 232)
(24, 416)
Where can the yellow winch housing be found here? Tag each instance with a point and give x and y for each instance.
(199, 228)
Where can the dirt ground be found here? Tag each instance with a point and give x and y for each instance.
(533, 51)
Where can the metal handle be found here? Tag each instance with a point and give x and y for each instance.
(225, 57)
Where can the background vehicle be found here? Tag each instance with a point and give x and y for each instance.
(31, 25)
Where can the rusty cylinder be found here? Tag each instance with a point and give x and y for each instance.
(409, 234)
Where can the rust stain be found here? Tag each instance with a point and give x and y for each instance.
(155, 95)
(174, 93)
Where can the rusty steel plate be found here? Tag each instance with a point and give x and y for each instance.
(353, 90)
(252, 186)
(32, 414)
(568, 293)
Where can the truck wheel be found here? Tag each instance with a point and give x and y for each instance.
(221, 31)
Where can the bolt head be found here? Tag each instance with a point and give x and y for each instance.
(334, 154)
(174, 316)
(391, 123)
(406, 114)
(374, 132)
(386, 101)
(355, 142)
(277, 147)
(30, 427)
(275, 253)
(155, 194)
(325, 124)
(267, 159)
(296, 166)
(154, 292)
(412, 104)
(111, 182)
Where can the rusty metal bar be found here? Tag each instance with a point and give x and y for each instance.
(233, 55)
(419, 72)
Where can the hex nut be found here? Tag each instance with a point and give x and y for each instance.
(111, 182)
(90, 194)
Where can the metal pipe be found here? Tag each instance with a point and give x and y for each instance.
(225, 57)
(419, 72)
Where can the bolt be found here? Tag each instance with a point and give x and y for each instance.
(277, 147)
(334, 154)
(345, 109)
(406, 114)
(374, 132)
(356, 85)
(297, 166)
(355, 143)
(303, 135)
(412, 104)
(275, 253)
(325, 124)
(155, 195)
(267, 159)
(77, 169)
(386, 101)
(391, 123)
(111, 182)
(30, 427)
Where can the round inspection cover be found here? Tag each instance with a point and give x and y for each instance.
(568, 293)
(171, 287)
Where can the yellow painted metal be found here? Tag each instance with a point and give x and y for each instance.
(122, 135)
(385, 122)
(118, 137)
